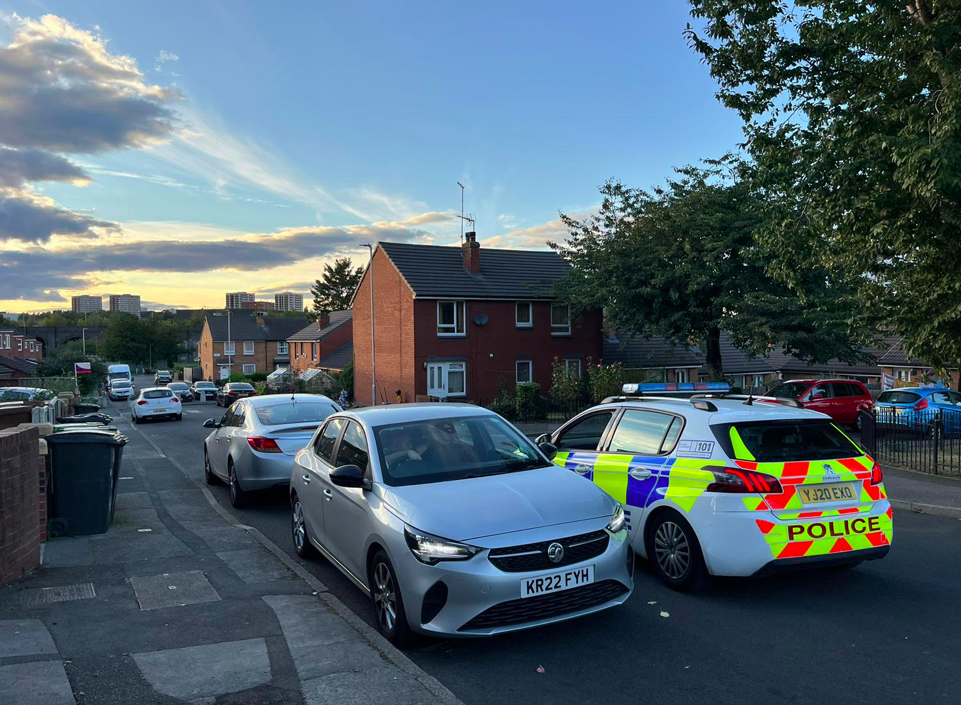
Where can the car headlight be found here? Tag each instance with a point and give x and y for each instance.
(618, 521)
(430, 549)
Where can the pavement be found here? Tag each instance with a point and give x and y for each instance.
(923, 493)
(179, 602)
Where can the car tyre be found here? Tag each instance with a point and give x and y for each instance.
(209, 476)
(675, 553)
(179, 417)
(239, 498)
(298, 529)
(388, 602)
(133, 418)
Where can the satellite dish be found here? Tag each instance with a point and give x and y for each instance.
(480, 319)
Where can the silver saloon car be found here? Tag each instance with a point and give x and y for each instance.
(455, 523)
(252, 447)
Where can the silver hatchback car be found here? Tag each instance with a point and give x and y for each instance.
(455, 523)
(252, 447)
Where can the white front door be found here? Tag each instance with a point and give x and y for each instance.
(446, 379)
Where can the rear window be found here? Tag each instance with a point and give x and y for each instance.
(898, 398)
(177, 385)
(789, 390)
(241, 387)
(784, 441)
(157, 394)
(294, 412)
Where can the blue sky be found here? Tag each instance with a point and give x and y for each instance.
(321, 119)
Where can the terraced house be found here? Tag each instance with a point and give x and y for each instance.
(246, 344)
(325, 344)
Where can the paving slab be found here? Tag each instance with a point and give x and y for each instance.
(255, 565)
(319, 641)
(36, 683)
(207, 671)
(173, 590)
(68, 552)
(25, 637)
(120, 547)
(378, 685)
(133, 500)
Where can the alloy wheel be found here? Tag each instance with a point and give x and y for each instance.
(232, 482)
(672, 550)
(385, 597)
(300, 531)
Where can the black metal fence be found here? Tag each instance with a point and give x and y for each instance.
(533, 409)
(926, 440)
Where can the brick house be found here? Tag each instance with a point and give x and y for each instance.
(20, 346)
(254, 344)
(906, 371)
(318, 341)
(459, 322)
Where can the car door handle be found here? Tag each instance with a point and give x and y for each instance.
(639, 473)
(328, 495)
(306, 479)
(582, 469)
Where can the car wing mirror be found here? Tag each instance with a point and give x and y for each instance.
(543, 438)
(211, 423)
(548, 449)
(349, 476)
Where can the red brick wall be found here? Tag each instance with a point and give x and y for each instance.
(394, 318)
(493, 349)
(22, 503)
(316, 351)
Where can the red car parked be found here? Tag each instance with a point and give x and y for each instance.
(841, 399)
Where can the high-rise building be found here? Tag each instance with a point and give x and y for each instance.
(237, 299)
(86, 304)
(288, 301)
(127, 303)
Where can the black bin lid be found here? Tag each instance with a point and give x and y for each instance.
(86, 436)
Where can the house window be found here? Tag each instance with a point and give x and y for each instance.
(249, 368)
(450, 318)
(523, 314)
(282, 348)
(20, 344)
(560, 319)
(248, 347)
(758, 380)
(230, 348)
(572, 367)
(32, 346)
(313, 351)
(524, 371)
(682, 376)
(903, 375)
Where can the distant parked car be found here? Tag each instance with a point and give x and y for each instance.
(25, 394)
(120, 389)
(232, 391)
(181, 389)
(252, 447)
(157, 403)
(204, 391)
(163, 377)
(915, 408)
(841, 399)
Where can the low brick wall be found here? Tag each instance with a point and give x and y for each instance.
(23, 502)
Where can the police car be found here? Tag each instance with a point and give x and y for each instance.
(716, 484)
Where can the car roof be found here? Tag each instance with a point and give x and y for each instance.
(269, 399)
(728, 410)
(817, 381)
(919, 390)
(423, 411)
(153, 389)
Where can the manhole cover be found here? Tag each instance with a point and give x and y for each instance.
(34, 597)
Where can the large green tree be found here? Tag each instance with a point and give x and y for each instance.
(334, 291)
(682, 262)
(852, 116)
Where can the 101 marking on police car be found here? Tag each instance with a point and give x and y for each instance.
(695, 449)
(555, 582)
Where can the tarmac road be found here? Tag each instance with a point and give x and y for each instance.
(888, 631)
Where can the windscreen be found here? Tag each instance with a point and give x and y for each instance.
(158, 394)
(439, 450)
(784, 441)
(240, 387)
(118, 375)
(788, 390)
(898, 398)
(312, 412)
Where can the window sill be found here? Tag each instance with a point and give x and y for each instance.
(560, 335)
(452, 335)
(523, 326)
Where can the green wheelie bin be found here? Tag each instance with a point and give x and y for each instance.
(85, 467)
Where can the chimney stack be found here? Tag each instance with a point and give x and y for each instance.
(261, 320)
(471, 250)
(323, 320)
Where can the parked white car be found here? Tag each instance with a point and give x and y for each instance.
(155, 402)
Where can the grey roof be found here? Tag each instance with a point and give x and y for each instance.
(648, 352)
(312, 333)
(17, 365)
(338, 360)
(434, 271)
(247, 328)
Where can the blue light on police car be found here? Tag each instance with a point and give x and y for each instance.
(655, 388)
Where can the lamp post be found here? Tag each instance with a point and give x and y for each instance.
(230, 348)
(373, 352)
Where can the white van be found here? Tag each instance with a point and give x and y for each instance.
(118, 372)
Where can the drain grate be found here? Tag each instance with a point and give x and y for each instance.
(35, 597)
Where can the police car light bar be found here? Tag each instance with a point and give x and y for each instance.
(677, 388)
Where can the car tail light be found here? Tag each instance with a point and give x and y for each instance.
(175, 400)
(263, 445)
(736, 481)
(141, 403)
(923, 404)
(876, 476)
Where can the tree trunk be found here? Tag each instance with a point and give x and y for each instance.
(715, 366)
